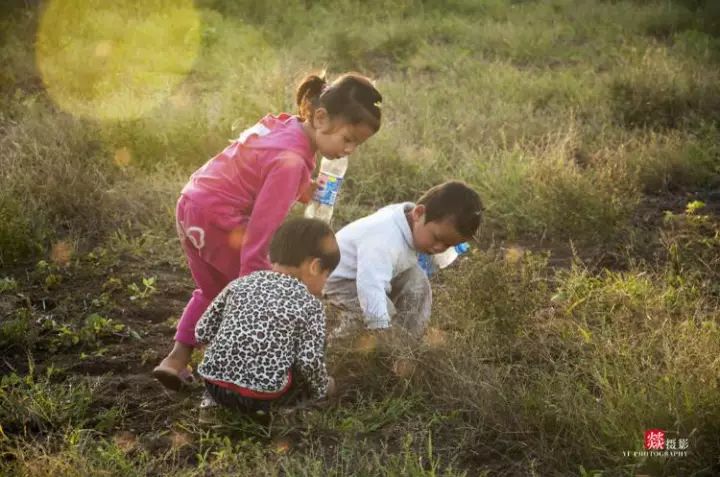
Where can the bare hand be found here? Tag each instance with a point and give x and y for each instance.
(307, 194)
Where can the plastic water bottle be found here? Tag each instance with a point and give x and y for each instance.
(329, 180)
(432, 263)
(425, 262)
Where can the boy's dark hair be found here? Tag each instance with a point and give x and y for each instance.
(454, 200)
(299, 239)
(352, 96)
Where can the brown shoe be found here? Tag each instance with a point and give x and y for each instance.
(171, 378)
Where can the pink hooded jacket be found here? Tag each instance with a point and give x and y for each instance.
(252, 184)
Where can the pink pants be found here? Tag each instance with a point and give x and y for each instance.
(212, 248)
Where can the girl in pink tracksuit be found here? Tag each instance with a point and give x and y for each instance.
(230, 208)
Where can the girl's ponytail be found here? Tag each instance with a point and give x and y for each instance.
(308, 93)
(352, 96)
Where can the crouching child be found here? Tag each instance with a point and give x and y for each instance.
(265, 332)
(379, 277)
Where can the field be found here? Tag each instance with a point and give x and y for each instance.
(587, 314)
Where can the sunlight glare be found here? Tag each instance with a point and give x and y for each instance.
(115, 60)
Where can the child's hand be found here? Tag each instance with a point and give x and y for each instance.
(331, 388)
(307, 194)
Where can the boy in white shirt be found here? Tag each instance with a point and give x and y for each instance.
(379, 274)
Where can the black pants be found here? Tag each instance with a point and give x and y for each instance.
(232, 400)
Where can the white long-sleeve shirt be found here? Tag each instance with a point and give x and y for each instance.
(373, 251)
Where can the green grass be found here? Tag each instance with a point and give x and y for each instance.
(587, 314)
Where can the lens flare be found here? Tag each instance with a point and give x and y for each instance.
(366, 343)
(103, 49)
(180, 439)
(115, 60)
(181, 100)
(282, 445)
(126, 441)
(514, 254)
(403, 368)
(236, 238)
(123, 157)
(61, 253)
(435, 337)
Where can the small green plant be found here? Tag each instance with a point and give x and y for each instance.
(52, 281)
(7, 284)
(60, 336)
(693, 207)
(142, 294)
(43, 266)
(48, 273)
(112, 284)
(149, 355)
(102, 301)
(97, 326)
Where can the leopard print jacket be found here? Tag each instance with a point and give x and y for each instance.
(258, 327)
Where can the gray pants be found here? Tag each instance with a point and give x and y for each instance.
(409, 303)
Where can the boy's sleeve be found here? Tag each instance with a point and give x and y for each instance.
(272, 204)
(374, 273)
(209, 323)
(311, 351)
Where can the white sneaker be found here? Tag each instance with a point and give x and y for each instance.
(207, 401)
(208, 409)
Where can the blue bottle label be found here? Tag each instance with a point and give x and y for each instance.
(328, 188)
(425, 262)
(462, 248)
